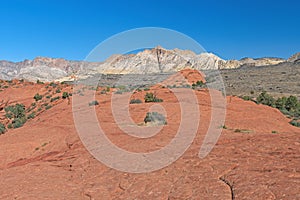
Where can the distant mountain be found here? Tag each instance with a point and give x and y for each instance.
(156, 60)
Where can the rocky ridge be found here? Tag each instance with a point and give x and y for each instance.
(156, 60)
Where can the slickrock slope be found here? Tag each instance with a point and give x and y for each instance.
(45, 158)
(154, 60)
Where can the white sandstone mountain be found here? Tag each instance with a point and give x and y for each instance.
(156, 60)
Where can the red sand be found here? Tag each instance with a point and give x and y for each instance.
(45, 158)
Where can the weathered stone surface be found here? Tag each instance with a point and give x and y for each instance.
(148, 61)
(45, 159)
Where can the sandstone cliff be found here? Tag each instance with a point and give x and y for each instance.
(156, 60)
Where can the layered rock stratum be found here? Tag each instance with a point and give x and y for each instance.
(156, 60)
(256, 156)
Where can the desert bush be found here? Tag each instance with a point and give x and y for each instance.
(52, 84)
(265, 99)
(135, 101)
(223, 126)
(9, 126)
(198, 84)
(247, 98)
(93, 103)
(58, 90)
(295, 123)
(65, 95)
(37, 97)
(48, 107)
(31, 115)
(292, 104)
(103, 91)
(18, 122)
(155, 117)
(15, 111)
(150, 97)
(18, 115)
(54, 99)
(288, 106)
(280, 103)
(45, 104)
(2, 128)
(39, 82)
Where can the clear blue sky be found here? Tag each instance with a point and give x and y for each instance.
(71, 29)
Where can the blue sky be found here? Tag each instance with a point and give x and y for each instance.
(71, 29)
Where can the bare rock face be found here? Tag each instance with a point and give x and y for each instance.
(156, 60)
(295, 58)
(261, 61)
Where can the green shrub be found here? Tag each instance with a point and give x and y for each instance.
(18, 115)
(37, 97)
(286, 112)
(135, 101)
(39, 82)
(54, 99)
(48, 107)
(9, 126)
(93, 103)
(15, 111)
(223, 126)
(198, 84)
(295, 123)
(265, 99)
(58, 90)
(2, 128)
(45, 104)
(52, 84)
(31, 115)
(280, 103)
(150, 97)
(292, 103)
(247, 98)
(18, 122)
(156, 118)
(103, 91)
(49, 96)
(65, 95)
